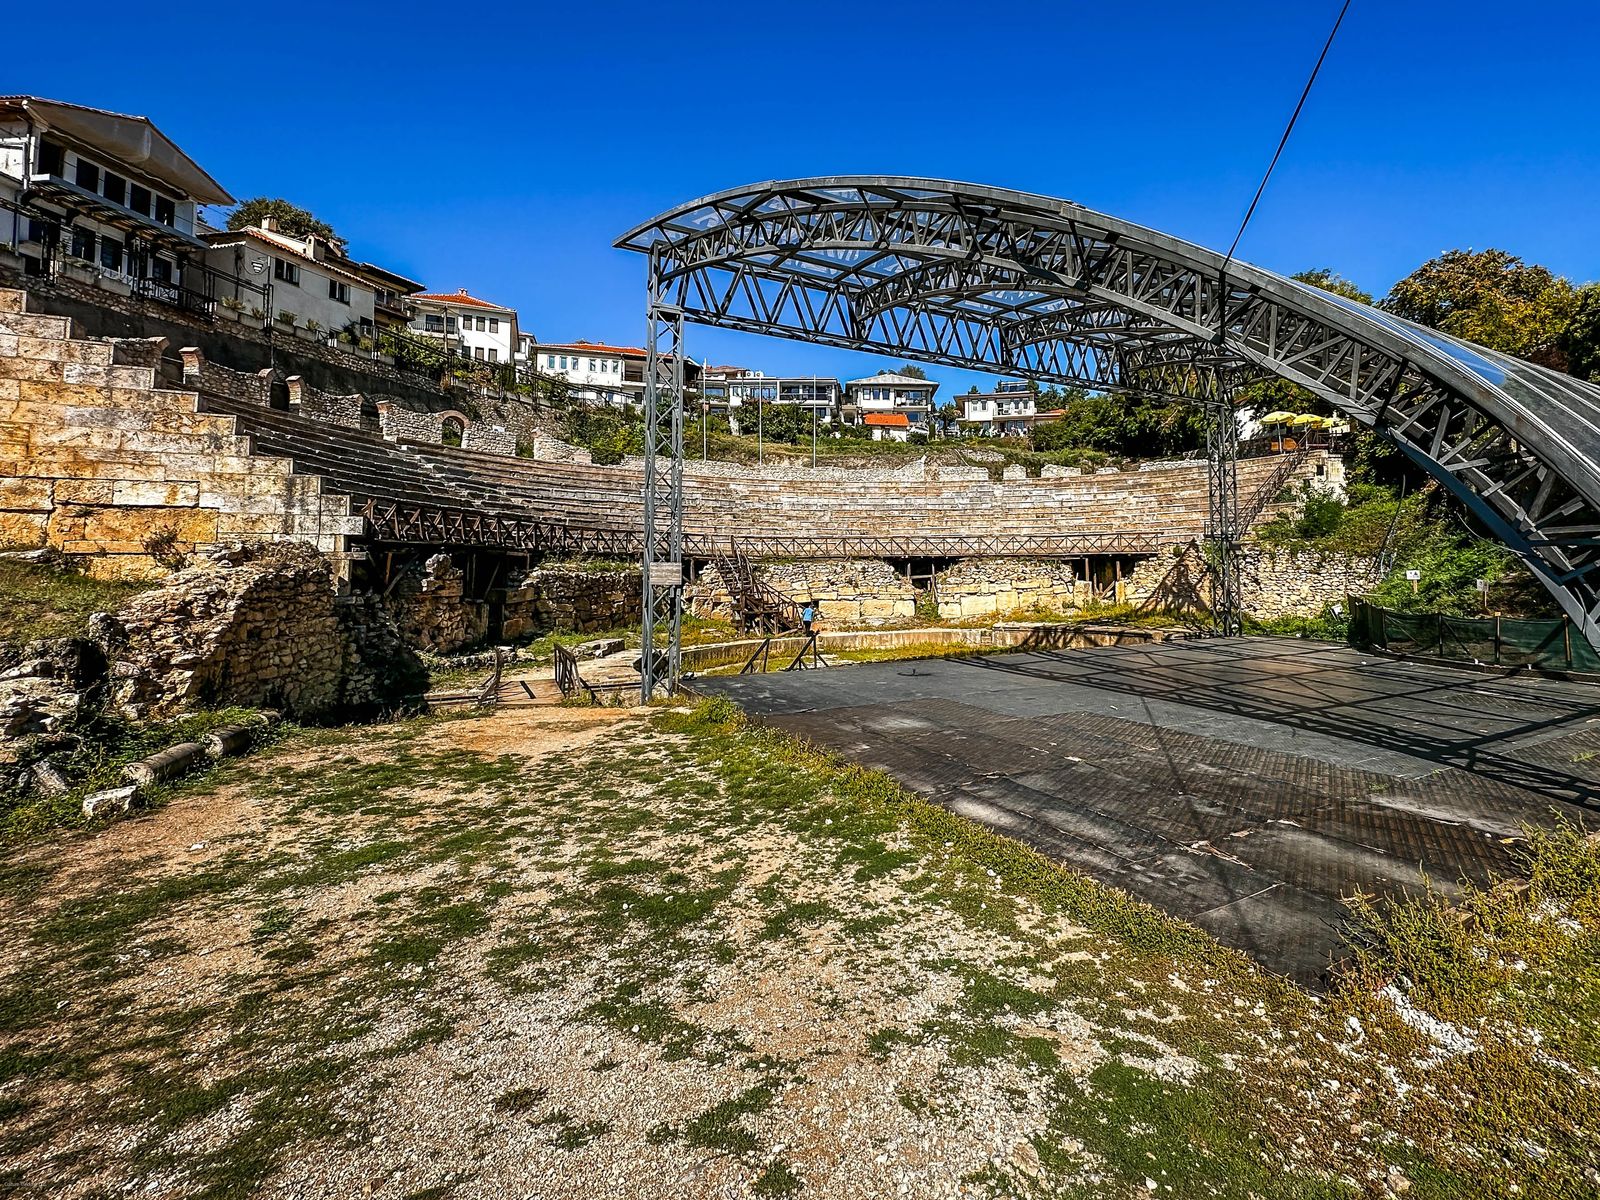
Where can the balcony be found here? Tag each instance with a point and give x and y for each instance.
(80, 199)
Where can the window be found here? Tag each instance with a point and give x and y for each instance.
(114, 188)
(494, 355)
(161, 270)
(451, 431)
(450, 324)
(563, 362)
(494, 324)
(338, 291)
(83, 244)
(432, 323)
(550, 361)
(139, 199)
(591, 364)
(478, 324)
(110, 254)
(477, 353)
(52, 159)
(42, 232)
(166, 211)
(285, 271)
(88, 176)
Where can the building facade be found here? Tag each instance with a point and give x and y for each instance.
(467, 325)
(105, 198)
(314, 284)
(728, 390)
(1011, 410)
(887, 393)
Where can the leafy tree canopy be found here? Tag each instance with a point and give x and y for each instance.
(909, 370)
(1493, 298)
(1329, 281)
(1580, 340)
(291, 218)
(1124, 426)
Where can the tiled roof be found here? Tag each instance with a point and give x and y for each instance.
(900, 381)
(460, 297)
(593, 348)
(892, 420)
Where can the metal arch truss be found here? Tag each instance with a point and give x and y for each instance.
(990, 279)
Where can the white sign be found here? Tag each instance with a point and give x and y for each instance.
(666, 575)
(1413, 575)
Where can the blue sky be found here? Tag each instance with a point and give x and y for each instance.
(502, 148)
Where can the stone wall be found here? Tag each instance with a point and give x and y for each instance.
(989, 587)
(855, 591)
(1285, 583)
(259, 626)
(313, 402)
(97, 460)
(571, 600)
(1272, 582)
(429, 607)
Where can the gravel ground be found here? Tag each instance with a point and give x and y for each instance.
(572, 953)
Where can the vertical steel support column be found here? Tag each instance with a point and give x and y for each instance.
(663, 490)
(1222, 514)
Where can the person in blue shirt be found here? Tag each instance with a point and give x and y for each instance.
(808, 614)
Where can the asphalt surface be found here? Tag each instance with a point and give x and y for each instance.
(1244, 785)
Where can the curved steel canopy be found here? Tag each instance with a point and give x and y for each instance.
(986, 278)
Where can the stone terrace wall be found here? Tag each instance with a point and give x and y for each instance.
(260, 627)
(987, 587)
(431, 611)
(572, 600)
(1273, 582)
(1285, 583)
(854, 591)
(97, 460)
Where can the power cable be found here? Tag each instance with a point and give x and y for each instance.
(1287, 130)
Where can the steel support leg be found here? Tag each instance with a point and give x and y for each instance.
(1222, 515)
(663, 492)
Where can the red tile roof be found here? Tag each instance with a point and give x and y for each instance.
(892, 420)
(594, 348)
(459, 297)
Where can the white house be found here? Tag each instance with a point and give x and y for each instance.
(889, 395)
(103, 197)
(467, 325)
(728, 390)
(314, 284)
(1011, 410)
(594, 371)
(599, 373)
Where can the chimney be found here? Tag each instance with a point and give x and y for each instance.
(270, 224)
(461, 291)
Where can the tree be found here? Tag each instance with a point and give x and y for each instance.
(1490, 297)
(291, 218)
(1580, 340)
(909, 370)
(1329, 281)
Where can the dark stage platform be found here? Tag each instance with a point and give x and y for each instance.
(1245, 785)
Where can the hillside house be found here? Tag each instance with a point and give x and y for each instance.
(106, 199)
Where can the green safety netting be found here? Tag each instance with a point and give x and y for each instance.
(1549, 645)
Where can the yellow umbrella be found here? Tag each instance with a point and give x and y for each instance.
(1277, 418)
(1308, 420)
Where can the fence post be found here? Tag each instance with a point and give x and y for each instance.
(1497, 639)
(1441, 635)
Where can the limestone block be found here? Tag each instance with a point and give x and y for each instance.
(83, 491)
(171, 495)
(23, 528)
(115, 801)
(25, 494)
